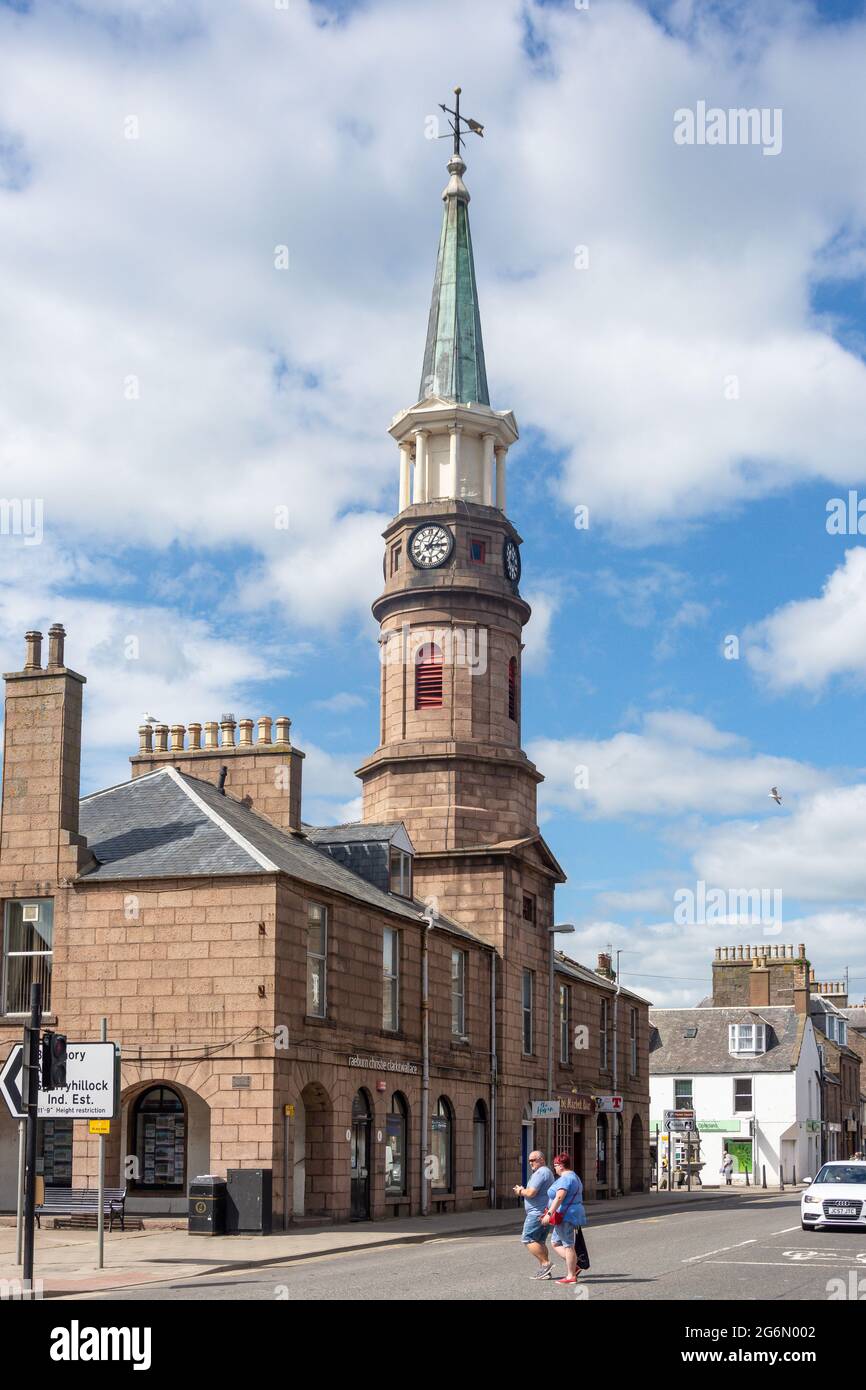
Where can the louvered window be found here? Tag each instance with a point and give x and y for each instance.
(512, 688)
(428, 677)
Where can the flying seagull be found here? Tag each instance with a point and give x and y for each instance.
(776, 795)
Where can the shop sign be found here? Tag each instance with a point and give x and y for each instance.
(545, 1110)
(384, 1064)
(579, 1104)
(608, 1105)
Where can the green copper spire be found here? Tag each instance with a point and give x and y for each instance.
(454, 355)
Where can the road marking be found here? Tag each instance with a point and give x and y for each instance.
(785, 1231)
(738, 1246)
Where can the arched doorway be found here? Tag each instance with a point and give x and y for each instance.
(159, 1142)
(313, 1156)
(361, 1153)
(602, 1155)
(637, 1154)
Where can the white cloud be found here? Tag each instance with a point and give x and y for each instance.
(153, 259)
(808, 642)
(339, 703)
(677, 763)
(814, 853)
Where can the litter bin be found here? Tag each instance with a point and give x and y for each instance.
(207, 1206)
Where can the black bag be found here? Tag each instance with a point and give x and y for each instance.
(580, 1250)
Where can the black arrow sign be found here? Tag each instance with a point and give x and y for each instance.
(10, 1088)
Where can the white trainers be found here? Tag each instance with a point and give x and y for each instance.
(544, 1273)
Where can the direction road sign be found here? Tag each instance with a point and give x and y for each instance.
(91, 1088)
(11, 1079)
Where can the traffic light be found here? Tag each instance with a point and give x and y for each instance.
(53, 1061)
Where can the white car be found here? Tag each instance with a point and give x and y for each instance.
(836, 1197)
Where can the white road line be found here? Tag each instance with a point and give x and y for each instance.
(776, 1264)
(785, 1231)
(738, 1246)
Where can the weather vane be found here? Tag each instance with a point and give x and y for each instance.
(457, 121)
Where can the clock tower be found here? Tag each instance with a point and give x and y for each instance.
(449, 762)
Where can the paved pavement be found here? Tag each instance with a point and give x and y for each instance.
(725, 1250)
(66, 1260)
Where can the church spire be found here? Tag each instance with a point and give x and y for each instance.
(454, 367)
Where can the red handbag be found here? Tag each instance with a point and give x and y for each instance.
(555, 1217)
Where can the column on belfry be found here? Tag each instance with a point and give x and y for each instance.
(501, 453)
(420, 466)
(405, 475)
(487, 474)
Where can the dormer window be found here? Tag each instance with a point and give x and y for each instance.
(401, 872)
(747, 1038)
(837, 1029)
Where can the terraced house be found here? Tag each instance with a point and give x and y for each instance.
(363, 1010)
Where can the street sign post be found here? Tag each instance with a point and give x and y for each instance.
(91, 1086)
(678, 1121)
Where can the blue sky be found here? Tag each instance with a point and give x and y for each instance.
(165, 387)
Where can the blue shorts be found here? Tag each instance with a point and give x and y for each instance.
(563, 1234)
(533, 1230)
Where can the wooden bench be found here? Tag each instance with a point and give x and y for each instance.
(83, 1201)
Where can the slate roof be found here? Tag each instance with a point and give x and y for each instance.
(567, 966)
(352, 832)
(856, 1016)
(170, 825)
(707, 1053)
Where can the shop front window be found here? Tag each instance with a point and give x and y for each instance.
(395, 1148)
(442, 1127)
(159, 1124)
(479, 1146)
(601, 1150)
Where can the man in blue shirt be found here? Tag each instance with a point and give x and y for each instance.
(535, 1200)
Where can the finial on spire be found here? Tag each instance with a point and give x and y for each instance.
(457, 122)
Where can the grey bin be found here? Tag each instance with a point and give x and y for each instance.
(207, 1206)
(249, 1201)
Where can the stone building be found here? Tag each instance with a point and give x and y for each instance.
(842, 1051)
(362, 1009)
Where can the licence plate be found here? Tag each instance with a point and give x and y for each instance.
(842, 1211)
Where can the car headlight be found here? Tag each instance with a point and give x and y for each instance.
(816, 1201)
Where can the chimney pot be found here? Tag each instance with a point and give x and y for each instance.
(227, 727)
(160, 738)
(264, 730)
(33, 655)
(177, 733)
(56, 638)
(245, 727)
(283, 725)
(145, 738)
(194, 736)
(211, 730)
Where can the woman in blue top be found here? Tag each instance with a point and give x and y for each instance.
(565, 1195)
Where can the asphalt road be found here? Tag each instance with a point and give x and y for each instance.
(740, 1252)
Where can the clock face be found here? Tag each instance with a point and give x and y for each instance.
(511, 560)
(430, 546)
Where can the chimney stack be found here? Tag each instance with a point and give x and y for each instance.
(40, 846)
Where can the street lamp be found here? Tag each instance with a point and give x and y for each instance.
(564, 929)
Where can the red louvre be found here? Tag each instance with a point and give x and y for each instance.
(428, 677)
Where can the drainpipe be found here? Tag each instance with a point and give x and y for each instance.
(425, 1066)
(493, 1079)
(617, 1119)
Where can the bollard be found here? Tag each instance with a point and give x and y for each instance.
(747, 1177)
(795, 1178)
(763, 1175)
(781, 1178)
